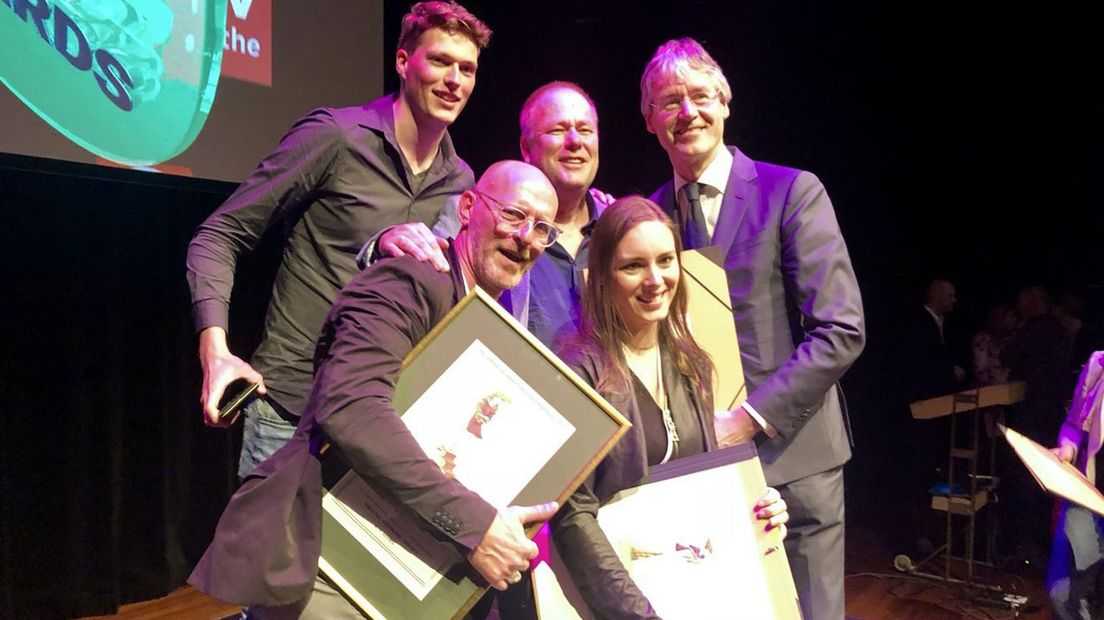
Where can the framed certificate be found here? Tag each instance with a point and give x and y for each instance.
(1057, 477)
(479, 391)
(689, 538)
(709, 311)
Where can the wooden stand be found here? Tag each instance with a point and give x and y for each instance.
(977, 496)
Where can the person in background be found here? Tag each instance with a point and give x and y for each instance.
(1038, 354)
(1086, 335)
(1076, 571)
(987, 346)
(932, 368)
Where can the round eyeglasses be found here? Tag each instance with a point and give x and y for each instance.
(544, 233)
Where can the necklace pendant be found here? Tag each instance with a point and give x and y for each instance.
(669, 422)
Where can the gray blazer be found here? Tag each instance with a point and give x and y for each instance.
(797, 308)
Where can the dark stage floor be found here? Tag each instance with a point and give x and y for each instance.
(875, 591)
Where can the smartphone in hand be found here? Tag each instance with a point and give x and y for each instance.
(231, 406)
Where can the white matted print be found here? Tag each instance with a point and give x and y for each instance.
(684, 542)
(485, 427)
(409, 552)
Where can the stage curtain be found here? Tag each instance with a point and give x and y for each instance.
(111, 484)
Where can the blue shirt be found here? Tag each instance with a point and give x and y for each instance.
(556, 287)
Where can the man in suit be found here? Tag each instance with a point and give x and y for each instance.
(931, 367)
(266, 548)
(928, 369)
(795, 303)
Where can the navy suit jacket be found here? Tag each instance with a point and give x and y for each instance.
(797, 309)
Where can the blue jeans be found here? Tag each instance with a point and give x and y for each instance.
(266, 431)
(1077, 565)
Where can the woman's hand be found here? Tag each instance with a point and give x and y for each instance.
(772, 509)
(1066, 452)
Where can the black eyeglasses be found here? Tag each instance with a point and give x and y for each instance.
(544, 233)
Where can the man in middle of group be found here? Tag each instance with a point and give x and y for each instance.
(559, 135)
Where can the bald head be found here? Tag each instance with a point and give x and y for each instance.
(941, 297)
(510, 176)
(494, 250)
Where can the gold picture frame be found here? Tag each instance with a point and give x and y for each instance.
(475, 363)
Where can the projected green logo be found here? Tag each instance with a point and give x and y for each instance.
(129, 80)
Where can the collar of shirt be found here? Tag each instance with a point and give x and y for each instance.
(938, 320)
(379, 116)
(558, 250)
(456, 270)
(714, 181)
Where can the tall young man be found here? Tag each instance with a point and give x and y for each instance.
(337, 178)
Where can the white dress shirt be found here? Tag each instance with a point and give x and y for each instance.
(714, 182)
